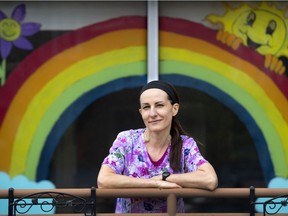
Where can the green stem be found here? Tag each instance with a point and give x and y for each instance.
(3, 72)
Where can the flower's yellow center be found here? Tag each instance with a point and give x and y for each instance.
(10, 29)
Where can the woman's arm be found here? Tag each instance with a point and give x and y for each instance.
(107, 178)
(204, 177)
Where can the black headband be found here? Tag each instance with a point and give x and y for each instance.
(165, 86)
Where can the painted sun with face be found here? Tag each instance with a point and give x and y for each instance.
(262, 28)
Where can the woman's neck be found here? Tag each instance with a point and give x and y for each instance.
(156, 144)
(156, 152)
(157, 140)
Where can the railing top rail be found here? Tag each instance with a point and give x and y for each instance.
(154, 192)
(156, 214)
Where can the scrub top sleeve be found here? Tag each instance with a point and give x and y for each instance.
(192, 156)
(116, 157)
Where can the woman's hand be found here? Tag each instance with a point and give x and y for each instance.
(165, 184)
(204, 177)
(159, 177)
(107, 178)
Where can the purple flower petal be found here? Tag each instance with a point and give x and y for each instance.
(23, 43)
(2, 15)
(29, 29)
(6, 47)
(19, 13)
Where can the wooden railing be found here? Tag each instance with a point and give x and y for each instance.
(90, 196)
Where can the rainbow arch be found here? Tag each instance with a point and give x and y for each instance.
(109, 56)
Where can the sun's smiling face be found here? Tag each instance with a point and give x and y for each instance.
(10, 30)
(261, 30)
(262, 27)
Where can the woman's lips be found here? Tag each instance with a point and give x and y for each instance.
(154, 121)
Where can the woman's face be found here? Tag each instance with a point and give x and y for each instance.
(156, 110)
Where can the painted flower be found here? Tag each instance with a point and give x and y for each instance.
(13, 31)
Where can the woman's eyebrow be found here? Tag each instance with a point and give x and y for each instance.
(144, 104)
(157, 102)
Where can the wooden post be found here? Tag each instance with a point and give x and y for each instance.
(171, 204)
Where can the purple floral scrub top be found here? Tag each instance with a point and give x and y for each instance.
(128, 156)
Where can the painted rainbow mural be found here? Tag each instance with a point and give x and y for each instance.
(51, 87)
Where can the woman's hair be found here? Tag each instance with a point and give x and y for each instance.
(176, 128)
(176, 142)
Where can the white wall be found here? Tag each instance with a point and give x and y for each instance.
(69, 15)
(55, 15)
(73, 15)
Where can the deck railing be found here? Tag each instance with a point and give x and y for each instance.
(84, 200)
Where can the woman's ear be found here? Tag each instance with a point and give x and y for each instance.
(175, 109)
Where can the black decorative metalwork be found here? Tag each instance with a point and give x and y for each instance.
(48, 200)
(271, 206)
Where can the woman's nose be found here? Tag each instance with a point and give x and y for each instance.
(153, 112)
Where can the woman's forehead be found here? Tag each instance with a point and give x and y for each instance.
(152, 94)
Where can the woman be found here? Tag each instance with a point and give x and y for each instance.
(159, 156)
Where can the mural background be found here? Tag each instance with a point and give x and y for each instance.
(65, 98)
